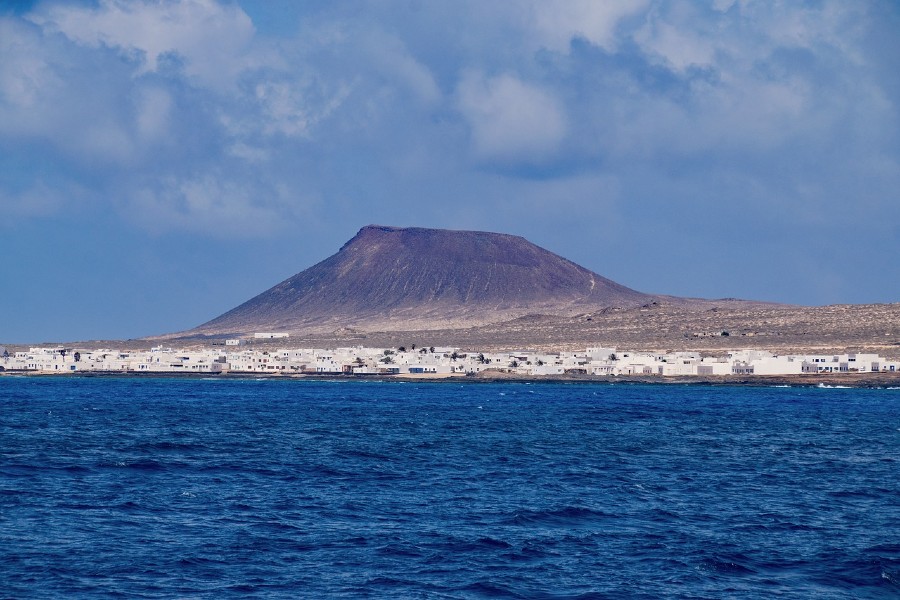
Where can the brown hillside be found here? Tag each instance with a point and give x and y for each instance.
(390, 277)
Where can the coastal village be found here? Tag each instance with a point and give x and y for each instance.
(234, 356)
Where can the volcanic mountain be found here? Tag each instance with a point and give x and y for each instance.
(388, 278)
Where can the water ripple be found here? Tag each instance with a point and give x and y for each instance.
(186, 488)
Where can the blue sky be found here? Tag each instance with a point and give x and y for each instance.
(162, 162)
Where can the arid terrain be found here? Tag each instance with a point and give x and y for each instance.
(391, 287)
(780, 328)
(394, 278)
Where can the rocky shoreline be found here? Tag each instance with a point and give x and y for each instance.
(836, 380)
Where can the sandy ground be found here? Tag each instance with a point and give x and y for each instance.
(656, 328)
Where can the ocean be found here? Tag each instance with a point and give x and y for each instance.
(192, 488)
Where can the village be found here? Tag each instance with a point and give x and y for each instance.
(431, 362)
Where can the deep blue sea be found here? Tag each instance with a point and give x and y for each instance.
(189, 488)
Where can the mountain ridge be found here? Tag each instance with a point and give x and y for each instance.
(390, 277)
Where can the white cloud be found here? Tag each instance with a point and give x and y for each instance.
(248, 153)
(679, 47)
(24, 75)
(511, 121)
(211, 38)
(292, 107)
(39, 199)
(212, 204)
(392, 59)
(753, 79)
(154, 108)
(372, 107)
(26, 78)
(557, 22)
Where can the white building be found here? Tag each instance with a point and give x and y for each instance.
(594, 361)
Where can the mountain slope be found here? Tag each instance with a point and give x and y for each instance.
(388, 277)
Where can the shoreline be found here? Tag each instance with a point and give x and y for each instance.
(840, 380)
